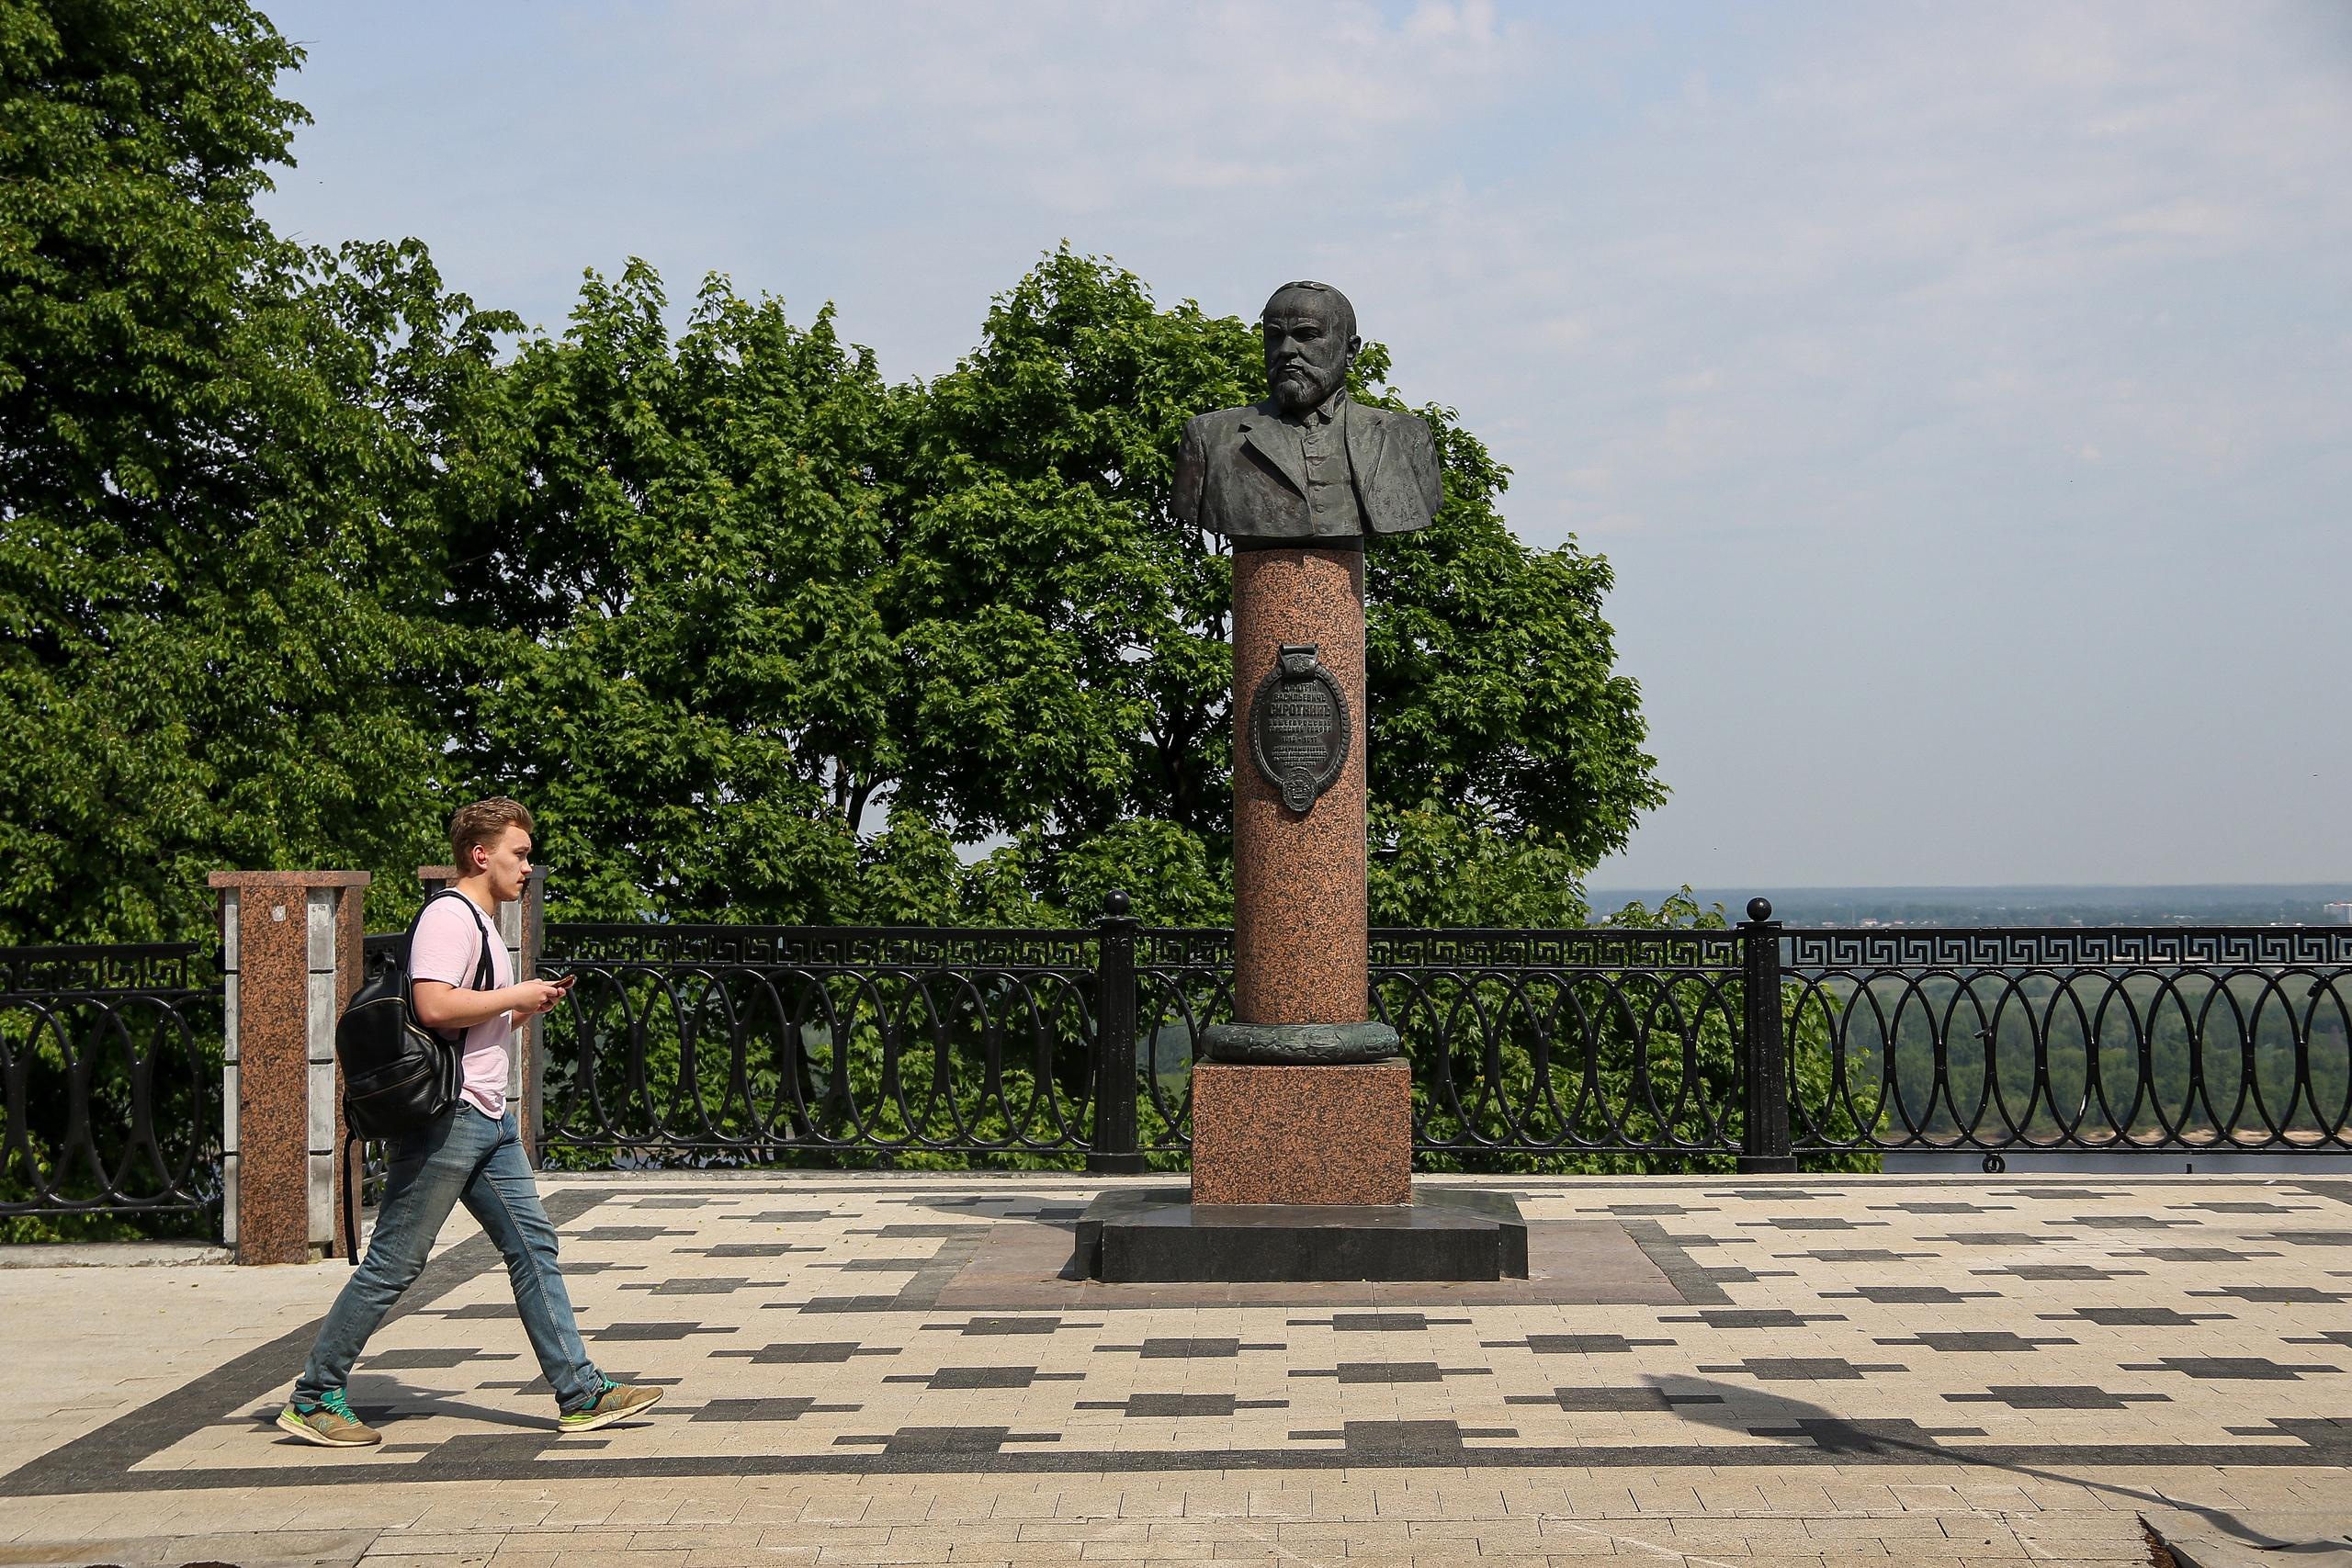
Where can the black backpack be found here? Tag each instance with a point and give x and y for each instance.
(397, 1075)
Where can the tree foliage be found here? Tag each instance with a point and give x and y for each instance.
(217, 519)
(302, 549)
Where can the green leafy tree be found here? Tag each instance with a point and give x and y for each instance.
(217, 450)
(680, 660)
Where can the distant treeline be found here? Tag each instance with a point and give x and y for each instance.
(2219, 904)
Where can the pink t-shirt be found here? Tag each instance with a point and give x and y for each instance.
(448, 948)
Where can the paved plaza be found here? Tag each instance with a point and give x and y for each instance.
(889, 1369)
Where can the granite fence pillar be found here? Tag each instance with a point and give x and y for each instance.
(289, 959)
(522, 927)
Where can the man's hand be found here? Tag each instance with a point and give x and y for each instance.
(440, 1005)
(541, 996)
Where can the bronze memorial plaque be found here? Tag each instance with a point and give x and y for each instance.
(1298, 727)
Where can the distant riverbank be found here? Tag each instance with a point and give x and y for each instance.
(2219, 904)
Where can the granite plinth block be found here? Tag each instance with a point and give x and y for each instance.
(1299, 947)
(1445, 1233)
(1327, 1134)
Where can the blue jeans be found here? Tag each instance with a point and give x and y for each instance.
(464, 1156)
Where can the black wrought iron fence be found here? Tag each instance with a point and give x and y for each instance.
(1747, 1045)
(111, 1060)
(756, 1044)
(1750, 1045)
(2102, 1038)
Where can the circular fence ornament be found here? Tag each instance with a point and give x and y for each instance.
(1299, 727)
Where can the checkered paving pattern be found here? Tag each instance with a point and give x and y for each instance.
(816, 1326)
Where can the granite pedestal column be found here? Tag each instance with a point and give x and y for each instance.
(1306, 1101)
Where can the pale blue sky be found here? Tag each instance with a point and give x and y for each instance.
(1963, 393)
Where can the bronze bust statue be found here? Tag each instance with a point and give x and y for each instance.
(1307, 466)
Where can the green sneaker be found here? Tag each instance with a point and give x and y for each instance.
(614, 1402)
(329, 1423)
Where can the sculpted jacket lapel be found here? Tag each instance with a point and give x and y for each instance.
(1366, 439)
(1263, 430)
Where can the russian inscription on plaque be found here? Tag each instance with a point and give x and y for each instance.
(1298, 730)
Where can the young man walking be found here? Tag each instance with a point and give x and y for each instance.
(472, 1154)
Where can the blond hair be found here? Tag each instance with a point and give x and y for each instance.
(484, 823)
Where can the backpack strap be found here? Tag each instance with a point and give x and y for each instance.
(483, 973)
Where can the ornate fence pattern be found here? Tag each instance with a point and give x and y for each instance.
(2166, 1039)
(753, 1043)
(110, 1064)
(1751, 1044)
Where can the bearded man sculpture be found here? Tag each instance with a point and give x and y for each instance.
(1308, 466)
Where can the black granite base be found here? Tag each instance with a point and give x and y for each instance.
(1158, 1234)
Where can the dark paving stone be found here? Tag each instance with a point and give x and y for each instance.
(1862, 1255)
(985, 1326)
(1421, 1442)
(2197, 1255)
(1576, 1400)
(1772, 1194)
(644, 1204)
(1732, 1274)
(1811, 1223)
(538, 1386)
(1911, 1295)
(791, 1409)
(688, 1285)
(1806, 1369)
(2054, 1194)
(2212, 1206)
(947, 1378)
(1986, 1342)
(1187, 1349)
(920, 1233)
(2134, 1317)
(1887, 1436)
(2233, 1368)
(635, 1332)
(1660, 1209)
(933, 1440)
(430, 1360)
(749, 1249)
(1752, 1317)
(600, 1266)
(1162, 1407)
(834, 1305)
(2328, 1337)
(2280, 1295)
(878, 1265)
(1574, 1344)
(2122, 1222)
(2057, 1396)
(805, 1353)
(1992, 1238)
(624, 1232)
(2060, 1273)
(1376, 1322)
(2309, 1238)
(1939, 1208)
(1391, 1372)
(783, 1218)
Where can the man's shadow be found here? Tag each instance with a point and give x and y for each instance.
(1734, 1407)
